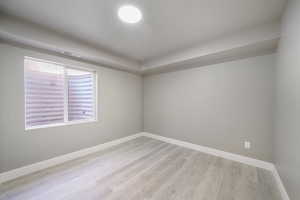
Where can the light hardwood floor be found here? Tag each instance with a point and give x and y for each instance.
(144, 169)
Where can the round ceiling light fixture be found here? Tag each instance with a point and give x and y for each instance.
(130, 14)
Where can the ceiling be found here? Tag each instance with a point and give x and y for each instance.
(168, 27)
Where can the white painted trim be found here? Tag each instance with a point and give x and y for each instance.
(215, 152)
(13, 174)
(281, 187)
(230, 156)
(10, 175)
(66, 94)
(28, 129)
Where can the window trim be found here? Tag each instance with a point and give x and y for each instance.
(65, 123)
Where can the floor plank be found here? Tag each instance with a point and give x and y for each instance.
(149, 169)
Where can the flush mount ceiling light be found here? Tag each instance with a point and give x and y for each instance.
(129, 14)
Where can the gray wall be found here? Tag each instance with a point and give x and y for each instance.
(119, 111)
(218, 106)
(287, 131)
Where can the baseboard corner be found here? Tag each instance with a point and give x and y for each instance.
(28, 169)
(279, 182)
(230, 156)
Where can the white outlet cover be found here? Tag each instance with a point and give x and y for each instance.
(247, 145)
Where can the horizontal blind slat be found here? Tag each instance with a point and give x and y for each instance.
(80, 97)
(45, 93)
(44, 90)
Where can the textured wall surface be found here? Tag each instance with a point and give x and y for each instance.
(287, 129)
(119, 113)
(219, 106)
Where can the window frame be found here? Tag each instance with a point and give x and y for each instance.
(66, 122)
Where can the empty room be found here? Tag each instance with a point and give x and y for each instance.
(150, 100)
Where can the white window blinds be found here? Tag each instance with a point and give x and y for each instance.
(56, 94)
(80, 95)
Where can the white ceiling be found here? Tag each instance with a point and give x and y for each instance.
(169, 27)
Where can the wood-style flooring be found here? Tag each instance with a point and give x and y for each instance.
(145, 169)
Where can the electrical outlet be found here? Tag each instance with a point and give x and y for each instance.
(247, 145)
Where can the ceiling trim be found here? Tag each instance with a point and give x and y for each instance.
(247, 43)
(27, 34)
(251, 50)
(245, 38)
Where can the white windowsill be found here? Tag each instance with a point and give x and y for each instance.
(61, 124)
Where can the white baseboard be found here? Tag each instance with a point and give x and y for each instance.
(215, 152)
(15, 173)
(230, 156)
(281, 187)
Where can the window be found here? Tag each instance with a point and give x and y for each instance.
(56, 94)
